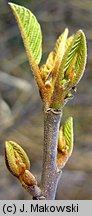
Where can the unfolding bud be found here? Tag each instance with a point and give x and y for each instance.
(61, 139)
(65, 138)
(28, 178)
(68, 133)
(71, 68)
(65, 142)
(16, 159)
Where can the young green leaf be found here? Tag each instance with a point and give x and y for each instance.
(30, 31)
(76, 48)
(80, 61)
(32, 37)
(72, 50)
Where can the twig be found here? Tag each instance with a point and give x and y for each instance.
(50, 172)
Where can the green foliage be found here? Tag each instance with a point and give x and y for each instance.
(76, 50)
(71, 69)
(30, 31)
(56, 78)
(64, 66)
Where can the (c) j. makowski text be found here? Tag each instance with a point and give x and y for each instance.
(51, 208)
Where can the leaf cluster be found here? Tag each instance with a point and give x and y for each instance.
(64, 66)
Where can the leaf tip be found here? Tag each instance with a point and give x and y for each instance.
(66, 30)
(80, 32)
(7, 143)
(10, 3)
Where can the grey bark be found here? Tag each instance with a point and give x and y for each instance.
(50, 172)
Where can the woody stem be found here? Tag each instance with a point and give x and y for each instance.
(50, 173)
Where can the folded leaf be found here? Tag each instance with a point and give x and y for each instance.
(76, 48)
(58, 54)
(46, 69)
(55, 57)
(81, 60)
(72, 50)
(60, 44)
(30, 31)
